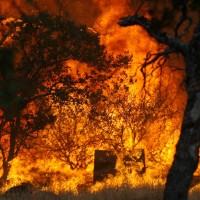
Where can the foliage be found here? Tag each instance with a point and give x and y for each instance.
(41, 76)
(119, 122)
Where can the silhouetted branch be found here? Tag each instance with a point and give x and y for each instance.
(161, 37)
(140, 6)
(184, 18)
(152, 58)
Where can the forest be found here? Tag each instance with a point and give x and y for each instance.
(99, 100)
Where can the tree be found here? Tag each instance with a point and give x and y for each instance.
(35, 75)
(187, 149)
(72, 138)
(128, 120)
(118, 121)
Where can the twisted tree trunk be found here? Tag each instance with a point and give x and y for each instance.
(186, 158)
(187, 152)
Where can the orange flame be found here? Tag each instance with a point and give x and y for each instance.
(159, 143)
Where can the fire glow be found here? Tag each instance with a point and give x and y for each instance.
(134, 120)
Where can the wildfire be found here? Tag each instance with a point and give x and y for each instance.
(139, 126)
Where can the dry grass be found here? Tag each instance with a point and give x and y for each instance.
(105, 194)
(126, 193)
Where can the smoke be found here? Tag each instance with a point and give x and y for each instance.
(80, 11)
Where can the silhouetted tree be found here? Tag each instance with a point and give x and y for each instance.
(117, 121)
(187, 150)
(35, 75)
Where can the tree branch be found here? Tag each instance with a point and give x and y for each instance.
(184, 18)
(159, 36)
(149, 60)
(140, 6)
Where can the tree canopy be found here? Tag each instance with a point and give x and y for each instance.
(35, 73)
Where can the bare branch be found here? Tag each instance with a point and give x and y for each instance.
(156, 56)
(184, 18)
(140, 6)
(161, 37)
(174, 43)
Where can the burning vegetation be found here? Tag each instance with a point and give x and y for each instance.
(75, 106)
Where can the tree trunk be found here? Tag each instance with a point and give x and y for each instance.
(187, 150)
(6, 169)
(187, 153)
(6, 158)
